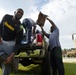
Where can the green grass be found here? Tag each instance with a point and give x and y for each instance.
(28, 70)
(70, 69)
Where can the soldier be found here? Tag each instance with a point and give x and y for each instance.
(11, 33)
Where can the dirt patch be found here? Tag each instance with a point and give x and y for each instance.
(69, 60)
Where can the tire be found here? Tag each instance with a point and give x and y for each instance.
(45, 65)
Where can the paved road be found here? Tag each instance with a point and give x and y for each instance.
(69, 60)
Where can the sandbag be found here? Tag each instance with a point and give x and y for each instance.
(41, 19)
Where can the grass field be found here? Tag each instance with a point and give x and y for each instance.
(70, 69)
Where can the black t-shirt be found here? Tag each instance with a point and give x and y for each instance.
(10, 30)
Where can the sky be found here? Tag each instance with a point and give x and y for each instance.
(62, 12)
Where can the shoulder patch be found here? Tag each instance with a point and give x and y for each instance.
(21, 26)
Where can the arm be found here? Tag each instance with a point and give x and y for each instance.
(52, 23)
(34, 28)
(9, 59)
(46, 34)
(18, 39)
(1, 27)
(1, 30)
(0, 39)
(16, 47)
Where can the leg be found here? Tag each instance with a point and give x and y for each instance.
(58, 60)
(15, 64)
(6, 69)
(53, 64)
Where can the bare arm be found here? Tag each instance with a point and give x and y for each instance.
(0, 39)
(34, 28)
(46, 34)
(52, 23)
(9, 59)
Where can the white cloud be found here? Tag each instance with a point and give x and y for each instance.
(2, 13)
(62, 12)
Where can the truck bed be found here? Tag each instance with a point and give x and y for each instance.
(25, 47)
